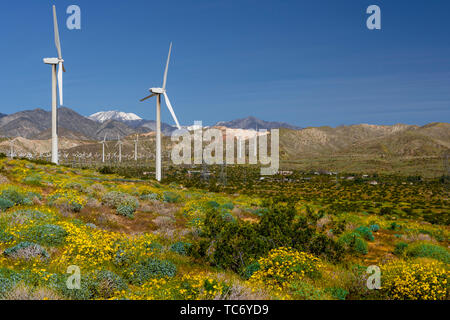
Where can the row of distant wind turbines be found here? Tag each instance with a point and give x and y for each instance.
(119, 144)
(57, 89)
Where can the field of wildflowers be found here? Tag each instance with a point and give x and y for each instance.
(144, 240)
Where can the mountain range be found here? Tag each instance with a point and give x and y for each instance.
(366, 148)
(252, 123)
(36, 124)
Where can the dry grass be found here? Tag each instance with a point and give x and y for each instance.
(23, 292)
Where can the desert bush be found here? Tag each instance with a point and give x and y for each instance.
(86, 291)
(149, 196)
(250, 270)
(365, 232)
(8, 279)
(228, 206)
(282, 266)
(5, 204)
(403, 280)
(337, 292)
(96, 190)
(114, 199)
(151, 268)
(428, 250)
(126, 210)
(16, 195)
(67, 199)
(34, 180)
(354, 242)
(107, 283)
(400, 248)
(301, 290)
(26, 251)
(49, 235)
(180, 247)
(171, 197)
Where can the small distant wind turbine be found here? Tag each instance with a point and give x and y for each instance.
(56, 79)
(158, 92)
(103, 149)
(136, 147)
(11, 145)
(256, 140)
(119, 143)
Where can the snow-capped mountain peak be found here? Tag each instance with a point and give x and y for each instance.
(103, 116)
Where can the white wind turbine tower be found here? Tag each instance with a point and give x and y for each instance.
(11, 146)
(136, 147)
(158, 92)
(119, 143)
(103, 149)
(56, 78)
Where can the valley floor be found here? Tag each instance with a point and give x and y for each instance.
(138, 239)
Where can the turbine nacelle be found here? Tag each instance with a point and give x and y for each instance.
(53, 60)
(157, 90)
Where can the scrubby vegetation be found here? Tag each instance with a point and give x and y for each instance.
(137, 239)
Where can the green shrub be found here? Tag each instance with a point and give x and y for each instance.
(34, 180)
(124, 203)
(152, 268)
(149, 196)
(337, 293)
(5, 204)
(107, 283)
(213, 204)
(171, 197)
(428, 250)
(180, 247)
(304, 291)
(228, 206)
(87, 290)
(26, 250)
(49, 235)
(250, 270)
(8, 280)
(114, 199)
(374, 228)
(126, 210)
(395, 226)
(14, 195)
(400, 248)
(354, 242)
(365, 232)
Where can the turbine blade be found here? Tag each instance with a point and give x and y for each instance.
(167, 67)
(169, 106)
(148, 97)
(60, 84)
(55, 25)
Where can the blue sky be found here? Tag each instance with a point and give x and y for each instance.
(309, 63)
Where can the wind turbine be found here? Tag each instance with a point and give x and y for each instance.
(136, 147)
(119, 143)
(11, 145)
(56, 79)
(103, 149)
(158, 92)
